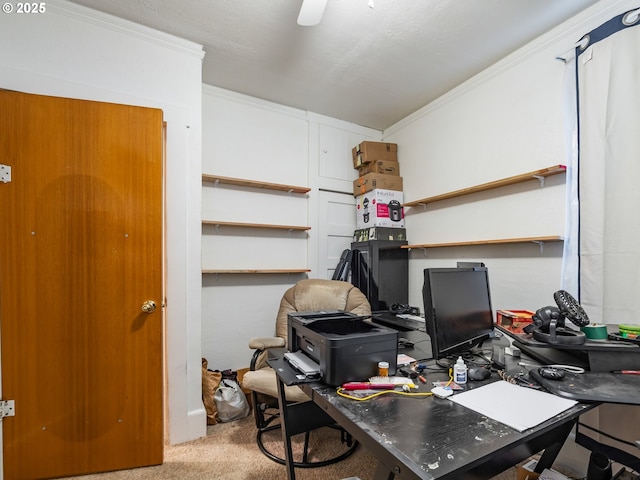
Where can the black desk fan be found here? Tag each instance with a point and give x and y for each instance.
(549, 322)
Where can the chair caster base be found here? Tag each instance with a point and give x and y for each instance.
(305, 463)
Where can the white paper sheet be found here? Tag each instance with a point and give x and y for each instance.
(519, 407)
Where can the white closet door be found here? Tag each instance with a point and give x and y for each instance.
(337, 212)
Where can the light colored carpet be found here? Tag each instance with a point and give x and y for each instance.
(229, 452)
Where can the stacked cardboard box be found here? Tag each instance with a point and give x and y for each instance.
(378, 188)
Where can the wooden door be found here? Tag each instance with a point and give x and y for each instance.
(81, 250)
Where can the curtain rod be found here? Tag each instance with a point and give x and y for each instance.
(630, 18)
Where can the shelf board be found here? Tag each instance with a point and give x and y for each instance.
(497, 241)
(254, 184)
(255, 225)
(537, 174)
(294, 270)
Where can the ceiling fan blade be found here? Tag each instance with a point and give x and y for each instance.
(311, 12)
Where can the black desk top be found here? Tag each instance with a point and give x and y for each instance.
(429, 437)
(594, 387)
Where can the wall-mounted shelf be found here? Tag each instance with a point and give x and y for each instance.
(295, 270)
(499, 241)
(216, 179)
(537, 174)
(217, 224)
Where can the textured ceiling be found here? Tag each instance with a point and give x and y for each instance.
(370, 62)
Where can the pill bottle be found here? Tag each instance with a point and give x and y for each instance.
(460, 372)
(383, 369)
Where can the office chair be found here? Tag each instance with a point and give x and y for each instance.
(305, 296)
(343, 269)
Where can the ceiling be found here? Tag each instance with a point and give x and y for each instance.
(369, 62)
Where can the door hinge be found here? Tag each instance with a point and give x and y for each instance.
(7, 408)
(5, 173)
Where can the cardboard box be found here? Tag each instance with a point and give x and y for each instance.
(380, 208)
(386, 167)
(379, 233)
(514, 320)
(372, 181)
(525, 472)
(366, 152)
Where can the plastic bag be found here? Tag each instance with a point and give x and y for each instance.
(231, 401)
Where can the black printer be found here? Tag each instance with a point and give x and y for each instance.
(346, 348)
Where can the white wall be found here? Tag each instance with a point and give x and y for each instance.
(248, 138)
(75, 52)
(505, 121)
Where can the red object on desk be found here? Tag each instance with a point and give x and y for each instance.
(367, 386)
(628, 372)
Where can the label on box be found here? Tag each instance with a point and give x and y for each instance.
(380, 208)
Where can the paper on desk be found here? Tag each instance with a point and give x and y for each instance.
(519, 407)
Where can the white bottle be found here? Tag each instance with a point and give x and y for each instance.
(460, 372)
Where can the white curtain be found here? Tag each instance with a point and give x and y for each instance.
(602, 248)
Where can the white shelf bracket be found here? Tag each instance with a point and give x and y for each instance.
(290, 191)
(541, 244)
(217, 226)
(216, 182)
(540, 178)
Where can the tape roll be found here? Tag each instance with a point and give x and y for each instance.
(629, 331)
(595, 332)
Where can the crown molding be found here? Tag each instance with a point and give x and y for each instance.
(252, 101)
(126, 27)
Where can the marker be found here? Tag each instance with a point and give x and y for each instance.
(627, 372)
(368, 386)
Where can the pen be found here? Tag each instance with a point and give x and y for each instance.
(367, 386)
(627, 372)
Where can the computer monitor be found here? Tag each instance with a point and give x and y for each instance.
(458, 312)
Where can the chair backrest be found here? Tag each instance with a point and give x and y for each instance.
(343, 269)
(315, 294)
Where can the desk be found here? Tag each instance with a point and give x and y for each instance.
(432, 438)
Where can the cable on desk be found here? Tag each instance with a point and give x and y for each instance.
(519, 379)
(568, 368)
(507, 378)
(341, 393)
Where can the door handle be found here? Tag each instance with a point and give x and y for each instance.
(148, 306)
